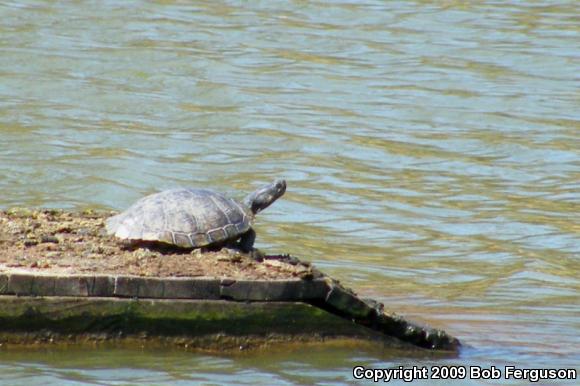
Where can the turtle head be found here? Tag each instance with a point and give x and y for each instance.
(265, 196)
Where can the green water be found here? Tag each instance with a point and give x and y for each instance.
(431, 149)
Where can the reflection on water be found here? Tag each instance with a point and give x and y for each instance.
(288, 365)
(431, 151)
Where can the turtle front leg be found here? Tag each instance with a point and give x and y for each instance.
(247, 241)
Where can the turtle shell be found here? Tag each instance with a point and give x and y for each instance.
(187, 218)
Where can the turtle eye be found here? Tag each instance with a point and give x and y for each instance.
(281, 186)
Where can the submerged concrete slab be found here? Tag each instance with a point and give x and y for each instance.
(66, 315)
(195, 324)
(199, 307)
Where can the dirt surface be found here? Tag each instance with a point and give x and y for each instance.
(55, 241)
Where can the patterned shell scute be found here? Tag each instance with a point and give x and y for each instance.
(187, 218)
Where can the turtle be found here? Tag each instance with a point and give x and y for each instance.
(194, 218)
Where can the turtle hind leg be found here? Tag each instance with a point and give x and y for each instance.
(246, 243)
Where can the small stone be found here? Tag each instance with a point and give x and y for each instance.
(64, 229)
(30, 242)
(54, 212)
(229, 255)
(49, 239)
(274, 263)
(49, 247)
